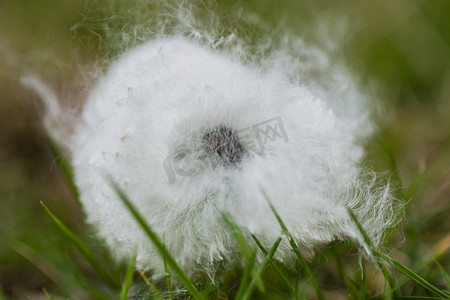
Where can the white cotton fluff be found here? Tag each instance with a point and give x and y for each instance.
(145, 125)
(189, 129)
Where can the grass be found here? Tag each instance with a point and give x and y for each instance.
(128, 279)
(301, 259)
(252, 275)
(153, 237)
(48, 252)
(84, 250)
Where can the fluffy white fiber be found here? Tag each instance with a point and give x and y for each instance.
(181, 122)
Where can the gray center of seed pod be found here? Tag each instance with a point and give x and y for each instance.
(224, 142)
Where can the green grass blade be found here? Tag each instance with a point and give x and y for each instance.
(406, 198)
(64, 166)
(274, 265)
(248, 253)
(245, 279)
(208, 290)
(405, 270)
(385, 141)
(128, 278)
(298, 269)
(414, 276)
(389, 280)
(294, 246)
(440, 249)
(261, 269)
(166, 269)
(156, 242)
(40, 262)
(354, 292)
(444, 274)
(84, 250)
(156, 293)
(411, 191)
(93, 289)
(99, 294)
(362, 231)
(235, 230)
(49, 297)
(355, 284)
(363, 286)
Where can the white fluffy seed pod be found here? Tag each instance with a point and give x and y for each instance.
(189, 131)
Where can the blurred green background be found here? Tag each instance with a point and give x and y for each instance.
(402, 46)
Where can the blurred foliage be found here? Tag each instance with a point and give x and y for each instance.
(402, 47)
